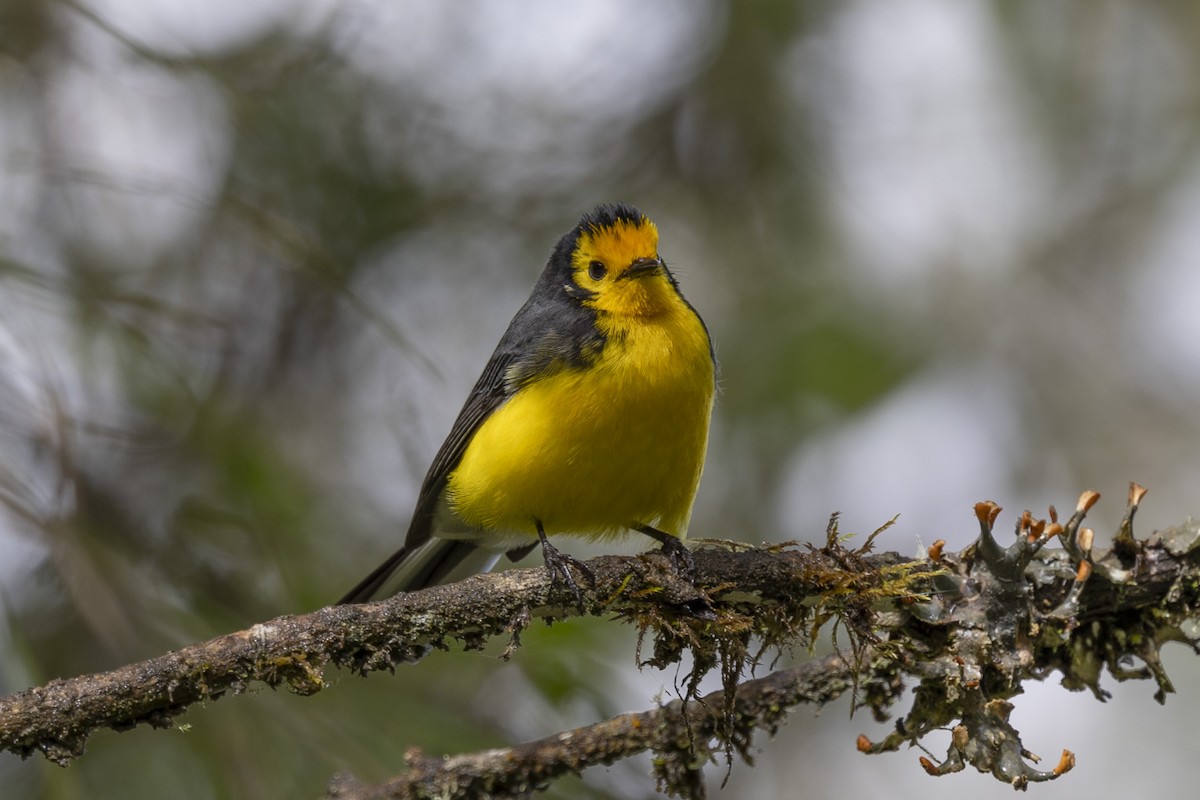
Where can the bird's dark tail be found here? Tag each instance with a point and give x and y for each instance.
(409, 569)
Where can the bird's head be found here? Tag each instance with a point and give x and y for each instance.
(615, 266)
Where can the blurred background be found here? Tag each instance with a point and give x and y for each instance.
(253, 255)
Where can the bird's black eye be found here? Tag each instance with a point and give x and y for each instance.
(596, 270)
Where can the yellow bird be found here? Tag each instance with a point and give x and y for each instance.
(590, 418)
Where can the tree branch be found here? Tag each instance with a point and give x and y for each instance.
(56, 719)
(677, 732)
(968, 628)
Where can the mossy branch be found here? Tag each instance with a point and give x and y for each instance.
(57, 718)
(968, 628)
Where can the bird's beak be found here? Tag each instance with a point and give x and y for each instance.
(643, 267)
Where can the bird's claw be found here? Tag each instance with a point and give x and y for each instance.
(680, 557)
(559, 565)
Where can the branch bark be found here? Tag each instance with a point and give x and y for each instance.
(967, 628)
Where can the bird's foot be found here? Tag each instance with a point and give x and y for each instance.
(559, 565)
(681, 558)
(676, 552)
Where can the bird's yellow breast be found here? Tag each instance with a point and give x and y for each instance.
(599, 448)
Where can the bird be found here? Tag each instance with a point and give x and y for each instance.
(590, 418)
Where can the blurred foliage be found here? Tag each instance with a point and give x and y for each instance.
(253, 255)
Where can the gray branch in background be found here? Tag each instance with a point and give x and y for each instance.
(677, 733)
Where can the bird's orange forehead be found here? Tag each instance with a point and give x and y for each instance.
(616, 245)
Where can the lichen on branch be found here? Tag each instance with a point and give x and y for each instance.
(1002, 615)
